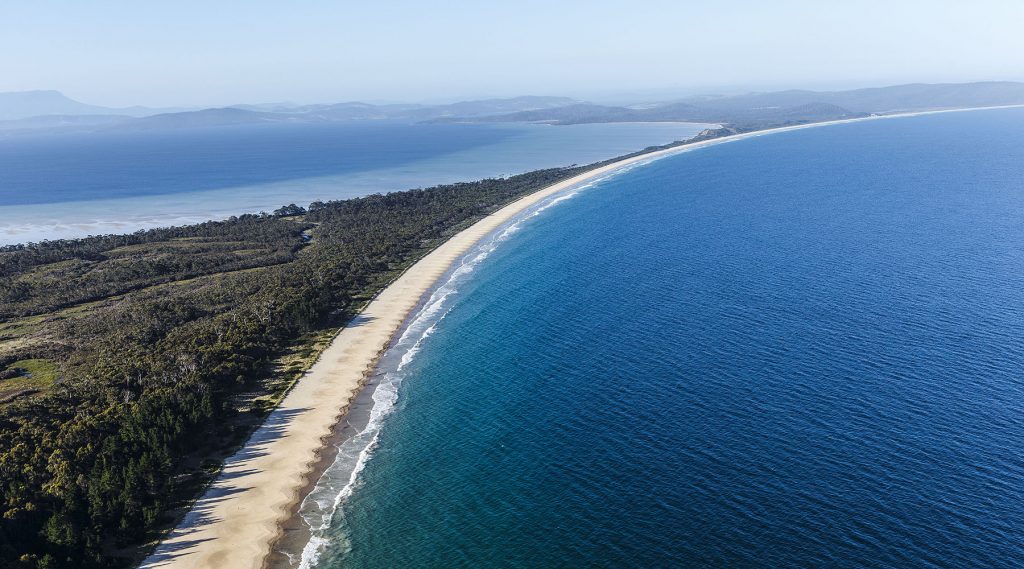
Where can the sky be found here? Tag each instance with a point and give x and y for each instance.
(213, 52)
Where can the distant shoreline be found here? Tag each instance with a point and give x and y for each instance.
(242, 515)
(112, 196)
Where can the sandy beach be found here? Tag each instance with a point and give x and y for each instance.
(236, 522)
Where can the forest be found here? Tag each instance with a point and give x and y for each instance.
(132, 365)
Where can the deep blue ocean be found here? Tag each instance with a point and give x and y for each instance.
(797, 350)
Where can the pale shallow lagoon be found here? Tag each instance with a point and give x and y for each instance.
(60, 186)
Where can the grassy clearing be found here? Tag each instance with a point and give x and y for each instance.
(176, 245)
(20, 326)
(289, 368)
(35, 375)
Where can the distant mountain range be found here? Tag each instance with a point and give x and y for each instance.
(30, 110)
(29, 104)
(34, 110)
(783, 107)
(365, 111)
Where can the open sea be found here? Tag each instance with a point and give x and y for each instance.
(60, 185)
(804, 349)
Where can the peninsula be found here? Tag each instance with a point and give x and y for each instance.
(235, 524)
(176, 344)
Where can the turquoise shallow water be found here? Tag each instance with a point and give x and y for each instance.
(799, 350)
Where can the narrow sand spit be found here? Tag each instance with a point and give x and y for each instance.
(235, 523)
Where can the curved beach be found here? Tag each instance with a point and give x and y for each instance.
(236, 522)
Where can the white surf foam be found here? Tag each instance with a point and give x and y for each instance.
(322, 506)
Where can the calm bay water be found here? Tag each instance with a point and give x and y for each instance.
(798, 350)
(71, 185)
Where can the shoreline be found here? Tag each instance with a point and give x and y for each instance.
(195, 199)
(244, 512)
(363, 419)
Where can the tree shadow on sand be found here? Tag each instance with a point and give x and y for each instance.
(226, 485)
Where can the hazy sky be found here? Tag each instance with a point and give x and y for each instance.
(211, 52)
